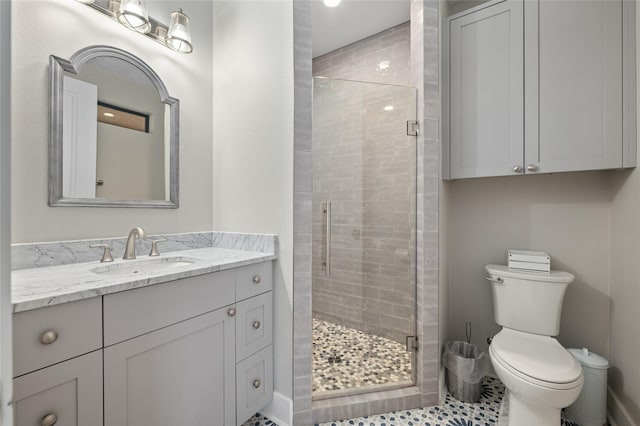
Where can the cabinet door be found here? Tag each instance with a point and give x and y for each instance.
(69, 392)
(179, 375)
(573, 89)
(486, 92)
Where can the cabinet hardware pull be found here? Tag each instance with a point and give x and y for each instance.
(532, 168)
(256, 383)
(48, 337)
(517, 169)
(257, 279)
(256, 324)
(49, 420)
(231, 312)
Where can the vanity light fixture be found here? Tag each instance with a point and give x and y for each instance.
(133, 15)
(179, 35)
(331, 3)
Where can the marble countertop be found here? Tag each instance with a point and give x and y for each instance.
(39, 287)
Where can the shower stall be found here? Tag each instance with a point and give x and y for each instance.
(364, 237)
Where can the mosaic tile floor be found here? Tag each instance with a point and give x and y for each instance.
(452, 413)
(345, 358)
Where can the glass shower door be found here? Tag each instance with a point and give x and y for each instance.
(364, 236)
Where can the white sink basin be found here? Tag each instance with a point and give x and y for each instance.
(145, 266)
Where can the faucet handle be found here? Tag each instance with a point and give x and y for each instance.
(106, 254)
(154, 246)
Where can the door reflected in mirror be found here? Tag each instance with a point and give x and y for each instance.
(114, 128)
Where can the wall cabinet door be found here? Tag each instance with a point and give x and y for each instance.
(485, 107)
(183, 374)
(69, 393)
(573, 86)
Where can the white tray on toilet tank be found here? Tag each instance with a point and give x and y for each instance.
(529, 260)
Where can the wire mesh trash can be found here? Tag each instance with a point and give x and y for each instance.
(465, 365)
(591, 407)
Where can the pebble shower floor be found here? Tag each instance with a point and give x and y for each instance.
(451, 413)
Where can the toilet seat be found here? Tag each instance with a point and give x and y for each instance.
(536, 359)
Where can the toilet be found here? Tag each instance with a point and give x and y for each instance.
(540, 375)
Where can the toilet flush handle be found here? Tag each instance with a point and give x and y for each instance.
(498, 280)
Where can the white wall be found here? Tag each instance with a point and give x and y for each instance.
(253, 142)
(42, 28)
(565, 214)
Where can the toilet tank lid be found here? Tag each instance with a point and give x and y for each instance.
(553, 276)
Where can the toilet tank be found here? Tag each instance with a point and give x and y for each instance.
(528, 301)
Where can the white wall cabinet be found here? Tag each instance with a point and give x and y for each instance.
(539, 87)
(196, 351)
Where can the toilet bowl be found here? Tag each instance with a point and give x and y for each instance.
(540, 375)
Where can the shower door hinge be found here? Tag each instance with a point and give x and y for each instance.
(413, 128)
(412, 343)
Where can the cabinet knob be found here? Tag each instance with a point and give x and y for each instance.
(49, 420)
(231, 312)
(517, 169)
(48, 337)
(256, 324)
(257, 279)
(532, 168)
(256, 383)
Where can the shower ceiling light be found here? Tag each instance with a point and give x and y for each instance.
(133, 15)
(388, 108)
(331, 3)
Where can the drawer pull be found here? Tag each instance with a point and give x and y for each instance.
(49, 420)
(257, 279)
(231, 312)
(256, 324)
(256, 383)
(47, 338)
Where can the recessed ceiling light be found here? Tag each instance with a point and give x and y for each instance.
(383, 65)
(388, 108)
(331, 3)
(108, 114)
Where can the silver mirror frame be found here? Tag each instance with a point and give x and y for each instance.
(57, 68)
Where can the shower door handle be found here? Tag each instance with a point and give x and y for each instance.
(326, 209)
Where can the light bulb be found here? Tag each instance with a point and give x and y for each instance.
(133, 15)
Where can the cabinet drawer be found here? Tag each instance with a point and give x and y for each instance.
(253, 279)
(70, 392)
(135, 312)
(46, 336)
(254, 379)
(253, 325)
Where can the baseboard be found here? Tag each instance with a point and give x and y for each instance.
(617, 413)
(280, 410)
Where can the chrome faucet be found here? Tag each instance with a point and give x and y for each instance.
(130, 250)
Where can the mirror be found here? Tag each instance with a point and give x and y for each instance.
(113, 138)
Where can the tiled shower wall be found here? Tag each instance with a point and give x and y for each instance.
(365, 165)
(382, 58)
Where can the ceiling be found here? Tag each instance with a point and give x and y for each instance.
(353, 20)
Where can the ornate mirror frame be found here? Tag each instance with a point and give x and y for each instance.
(58, 66)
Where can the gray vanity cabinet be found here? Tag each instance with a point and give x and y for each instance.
(64, 394)
(179, 375)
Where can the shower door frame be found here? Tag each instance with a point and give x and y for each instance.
(425, 76)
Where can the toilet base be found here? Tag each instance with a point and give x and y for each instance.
(523, 414)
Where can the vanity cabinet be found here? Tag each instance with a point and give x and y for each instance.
(64, 394)
(192, 351)
(539, 87)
